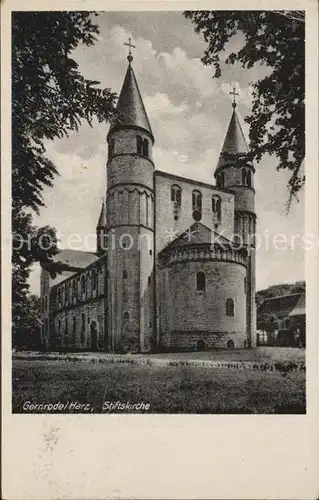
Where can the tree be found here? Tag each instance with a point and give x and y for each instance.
(30, 244)
(267, 322)
(50, 97)
(280, 289)
(275, 39)
(27, 323)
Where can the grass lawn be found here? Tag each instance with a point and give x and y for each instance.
(259, 355)
(168, 389)
(262, 354)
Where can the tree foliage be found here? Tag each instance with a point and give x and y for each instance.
(50, 98)
(267, 322)
(27, 323)
(281, 289)
(275, 39)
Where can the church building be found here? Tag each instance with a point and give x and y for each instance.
(174, 266)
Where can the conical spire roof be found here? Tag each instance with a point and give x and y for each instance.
(102, 219)
(130, 105)
(235, 142)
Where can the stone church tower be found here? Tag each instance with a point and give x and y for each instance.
(238, 175)
(130, 221)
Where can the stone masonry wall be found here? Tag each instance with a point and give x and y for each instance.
(166, 226)
(80, 338)
(69, 329)
(187, 314)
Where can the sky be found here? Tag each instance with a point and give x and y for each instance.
(189, 112)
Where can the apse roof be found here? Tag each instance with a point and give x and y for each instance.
(198, 234)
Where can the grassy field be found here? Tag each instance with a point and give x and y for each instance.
(167, 389)
(258, 354)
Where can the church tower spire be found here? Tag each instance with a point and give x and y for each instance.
(235, 142)
(130, 108)
(130, 212)
(101, 231)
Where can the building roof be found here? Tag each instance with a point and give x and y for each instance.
(130, 105)
(234, 143)
(72, 261)
(197, 234)
(102, 219)
(285, 305)
(300, 307)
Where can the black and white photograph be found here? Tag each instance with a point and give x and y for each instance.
(158, 206)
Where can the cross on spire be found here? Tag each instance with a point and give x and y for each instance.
(130, 45)
(234, 93)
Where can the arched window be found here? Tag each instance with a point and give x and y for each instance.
(246, 177)
(201, 281)
(222, 179)
(145, 148)
(141, 146)
(229, 307)
(126, 315)
(73, 331)
(176, 194)
(197, 205)
(73, 289)
(111, 148)
(58, 340)
(94, 280)
(217, 207)
(82, 285)
(82, 327)
(68, 293)
(124, 274)
(176, 198)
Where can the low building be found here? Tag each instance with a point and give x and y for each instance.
(290, 314)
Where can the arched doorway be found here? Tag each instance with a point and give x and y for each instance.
(200, 345)
(93, 328)
(230, 344)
